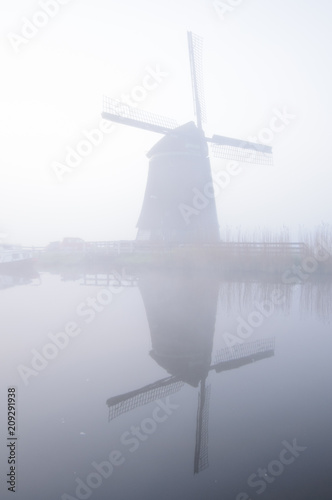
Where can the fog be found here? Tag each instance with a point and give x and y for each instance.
(192, 360)
(262, 60)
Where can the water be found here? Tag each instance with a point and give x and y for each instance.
(229, 386)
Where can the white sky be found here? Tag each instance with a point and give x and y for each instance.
(263, 55)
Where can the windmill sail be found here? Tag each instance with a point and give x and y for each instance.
(120, 112)
(226, 359)
(143, 396)
(239, 355)
(201, 460)
(196, 66)
(244, 151)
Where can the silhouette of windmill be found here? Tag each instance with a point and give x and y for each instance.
(179, 165)
(225, 359)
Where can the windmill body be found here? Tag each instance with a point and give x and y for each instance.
(181, 311)
(179, 203)
(173, 208)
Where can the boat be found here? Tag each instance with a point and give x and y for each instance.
(12, 256)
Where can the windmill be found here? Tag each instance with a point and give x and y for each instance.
(225, 359)
(181, 310)
(179, 166)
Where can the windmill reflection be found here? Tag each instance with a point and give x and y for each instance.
(181, 311)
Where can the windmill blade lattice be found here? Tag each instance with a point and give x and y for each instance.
(143, 396)
(201, 460)
(244, 351)
(196, 65)
(120, 112)
(243, 151)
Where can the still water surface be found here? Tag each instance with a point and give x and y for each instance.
(168, 384)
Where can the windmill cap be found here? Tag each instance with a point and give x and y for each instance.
(186, 139)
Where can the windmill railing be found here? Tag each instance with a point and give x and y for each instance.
(129, 246)
(104, 248)
(108, 280)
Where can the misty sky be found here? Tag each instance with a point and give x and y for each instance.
(261, 59)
